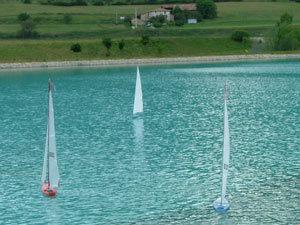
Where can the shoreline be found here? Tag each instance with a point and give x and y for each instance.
(149, 61)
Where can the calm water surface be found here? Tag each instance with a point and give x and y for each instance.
(164, 168)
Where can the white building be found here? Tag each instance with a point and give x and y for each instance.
(157, 12)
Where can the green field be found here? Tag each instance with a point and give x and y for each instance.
(91, 23)
(59, 50)
(96, 21)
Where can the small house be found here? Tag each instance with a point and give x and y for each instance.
(157, 12)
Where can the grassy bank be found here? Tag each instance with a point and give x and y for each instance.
(59, 50)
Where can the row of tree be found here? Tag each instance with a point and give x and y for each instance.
(115, 2)
(285, 36)
(108, 43)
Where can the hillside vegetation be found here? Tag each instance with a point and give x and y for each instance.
(90, 24)
(59, 50)
(96, 21)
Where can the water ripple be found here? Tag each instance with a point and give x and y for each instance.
(165, 167)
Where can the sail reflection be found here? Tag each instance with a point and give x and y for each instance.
(138, 124)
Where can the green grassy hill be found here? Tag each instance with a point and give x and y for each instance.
(96, 21)
(90, 23)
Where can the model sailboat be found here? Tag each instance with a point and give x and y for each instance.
(50, 175)
(221, 204)
(138, 98)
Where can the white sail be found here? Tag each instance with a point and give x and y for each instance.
(53, 168)
(45, 159)
(138, 98)
(221, 204)
(226, 152)
(50, 158)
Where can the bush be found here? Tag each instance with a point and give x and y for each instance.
(75, 47)
(240, 35)
(157, 21)
(67, 18)
(207, 8)
(107, 42)
(23, 17)
(145, 39)
(27, 1)
(246, 41)
(127, 21)
(179, 22)
(157, 24)
(121, 44)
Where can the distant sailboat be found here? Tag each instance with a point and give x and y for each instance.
(50, 168)
(138, 98)
(221, 204)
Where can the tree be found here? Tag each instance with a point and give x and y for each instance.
(240, 35)
(107, 42)
(145, 39)
(207, 8)
(286, 18)
(178, 13)
(178, 16)
(285, 36)
(121, 44)
(76, 47)
(28, 29)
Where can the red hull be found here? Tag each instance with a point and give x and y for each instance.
(53, 191)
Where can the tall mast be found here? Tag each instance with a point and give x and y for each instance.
(225, 161)
(48, 125)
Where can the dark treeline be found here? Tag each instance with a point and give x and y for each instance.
(117, 2)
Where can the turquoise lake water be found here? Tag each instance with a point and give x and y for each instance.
(164, 168)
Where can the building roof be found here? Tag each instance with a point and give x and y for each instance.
(190, 7)
(160, 10)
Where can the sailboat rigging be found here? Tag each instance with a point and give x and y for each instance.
(221, 204)
(50, 168)
(138, 98)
